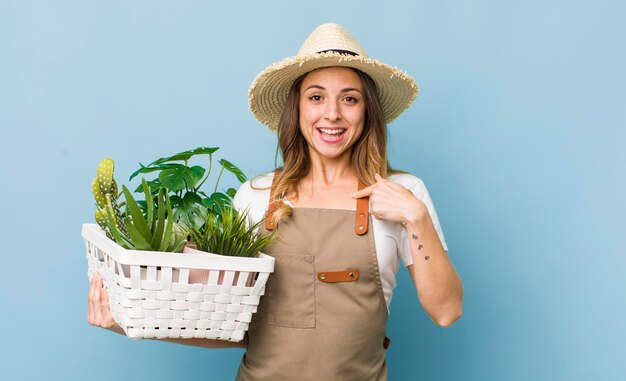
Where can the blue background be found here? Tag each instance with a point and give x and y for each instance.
(518, 133)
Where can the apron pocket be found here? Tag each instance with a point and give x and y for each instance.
(291, 292)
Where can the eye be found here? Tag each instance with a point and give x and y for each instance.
(315, 98)
(351, 99)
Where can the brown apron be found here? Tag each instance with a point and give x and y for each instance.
(323, 316)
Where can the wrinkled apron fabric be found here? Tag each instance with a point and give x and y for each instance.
(310, 329)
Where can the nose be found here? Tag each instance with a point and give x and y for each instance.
(333, 113)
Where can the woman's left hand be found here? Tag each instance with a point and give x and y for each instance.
(393, 202)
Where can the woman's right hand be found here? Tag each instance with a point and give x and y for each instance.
(99, 313)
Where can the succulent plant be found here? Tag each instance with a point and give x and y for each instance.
(132, 229)
(155, 231)
(229, 233)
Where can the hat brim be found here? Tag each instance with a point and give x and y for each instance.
(268, 93)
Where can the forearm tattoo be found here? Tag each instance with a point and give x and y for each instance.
(420, 247)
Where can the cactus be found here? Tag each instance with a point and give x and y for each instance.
(114, 189)
(105, 175)
(114, 210)
(100, 217)
(104, 189)
(97, 194)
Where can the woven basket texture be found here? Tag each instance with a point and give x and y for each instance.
(153, 294)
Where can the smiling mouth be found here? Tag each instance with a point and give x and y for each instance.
(331, 135)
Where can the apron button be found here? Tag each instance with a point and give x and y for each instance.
(351, 275)
(360, 227)
(361, 215)
(322, 276)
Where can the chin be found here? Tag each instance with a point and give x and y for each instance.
(330, 154)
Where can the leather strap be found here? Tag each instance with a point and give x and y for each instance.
(362, 209)
(338, 276)
(362, 213)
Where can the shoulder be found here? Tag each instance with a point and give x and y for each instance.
(255, 190)
(409, 181)
(254, 195)
(262, 181)
(406, 179)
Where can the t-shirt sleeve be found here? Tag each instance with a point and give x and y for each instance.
(241, 201)
(420, 191)
(252, 200)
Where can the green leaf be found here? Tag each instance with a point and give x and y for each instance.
(186, 155)
(208, 202)
(160, 220)
(179, 237)
(136, 237)
(181, 178)
(143, 205)
(176, 201)
(168, 229)
(189, 210)
(219, 202)
(110, 220)
(153, 168)
(177, 245)
(153, 184)
(232, 168)
(231, 192)
(143, 169)
(149, 204)
(138, 220)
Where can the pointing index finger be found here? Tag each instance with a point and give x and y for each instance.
(363, 192)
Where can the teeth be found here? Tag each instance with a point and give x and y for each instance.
(332, 131)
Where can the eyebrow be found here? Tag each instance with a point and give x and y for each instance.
(342, 90)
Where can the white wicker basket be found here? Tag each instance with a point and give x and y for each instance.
(151, 297)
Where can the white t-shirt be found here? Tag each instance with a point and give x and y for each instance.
(391, 240)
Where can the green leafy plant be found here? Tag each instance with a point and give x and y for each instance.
(228, 233)
(191, 205)
(155, 230)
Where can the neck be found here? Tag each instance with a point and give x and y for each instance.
(330, 171)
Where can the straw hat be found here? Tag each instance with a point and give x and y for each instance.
(328, 45)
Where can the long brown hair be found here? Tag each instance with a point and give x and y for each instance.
(369, 154)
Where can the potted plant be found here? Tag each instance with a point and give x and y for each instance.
(226, 233)
(154, 289)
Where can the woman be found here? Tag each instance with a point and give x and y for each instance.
(326, 305)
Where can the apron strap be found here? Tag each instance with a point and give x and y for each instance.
(362, 213)
(362, 209)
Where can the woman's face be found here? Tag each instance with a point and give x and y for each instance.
(332, 111)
